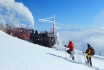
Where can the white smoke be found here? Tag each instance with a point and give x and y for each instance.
(14, 13)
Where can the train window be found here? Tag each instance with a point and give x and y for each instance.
(10, 33)
(52, 35)
(21, 30)
(52, 40)
(48, 35)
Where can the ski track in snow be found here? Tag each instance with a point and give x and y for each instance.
(82, 57)
(17, 54)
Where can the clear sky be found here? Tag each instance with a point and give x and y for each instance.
(86, 13)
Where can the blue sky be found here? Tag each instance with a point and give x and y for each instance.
(85, 13)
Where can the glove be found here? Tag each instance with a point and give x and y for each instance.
(83, 52)
(65, 45)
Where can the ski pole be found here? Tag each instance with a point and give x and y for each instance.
(65, 52)
(85, 58)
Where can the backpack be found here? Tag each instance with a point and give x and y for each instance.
(92, 51)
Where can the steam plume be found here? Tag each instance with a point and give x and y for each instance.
(15, 13)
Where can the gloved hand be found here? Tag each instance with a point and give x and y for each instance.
(65, 45)
(89, 54)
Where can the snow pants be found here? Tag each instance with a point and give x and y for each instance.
(89, 60)
(71, 52)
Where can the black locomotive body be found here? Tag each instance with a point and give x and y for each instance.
(44, 38)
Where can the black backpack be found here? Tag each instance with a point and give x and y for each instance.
(92, 51)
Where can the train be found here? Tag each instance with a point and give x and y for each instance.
(45, 38)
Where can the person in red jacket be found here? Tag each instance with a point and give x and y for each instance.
(71, 49)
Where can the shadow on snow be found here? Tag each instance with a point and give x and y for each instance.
(67, 59)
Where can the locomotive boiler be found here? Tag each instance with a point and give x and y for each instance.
(43, 38)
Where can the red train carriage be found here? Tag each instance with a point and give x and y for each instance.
(21, 33)
(44, 38)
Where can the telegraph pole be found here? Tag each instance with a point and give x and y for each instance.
(50, 21)
(53, 24)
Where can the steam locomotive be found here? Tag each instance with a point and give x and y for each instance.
(46, 39)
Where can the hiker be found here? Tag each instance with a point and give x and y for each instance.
(71, 49)
(90, 52)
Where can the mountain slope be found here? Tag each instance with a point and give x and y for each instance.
(17, 54)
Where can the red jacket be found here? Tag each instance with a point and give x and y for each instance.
(71, 45)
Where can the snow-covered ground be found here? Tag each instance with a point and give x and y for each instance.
(17, 54)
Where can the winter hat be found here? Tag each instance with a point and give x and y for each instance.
(88, 45)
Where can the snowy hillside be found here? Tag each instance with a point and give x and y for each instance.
(17, 54)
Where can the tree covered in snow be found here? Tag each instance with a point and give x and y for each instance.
(57, 36)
